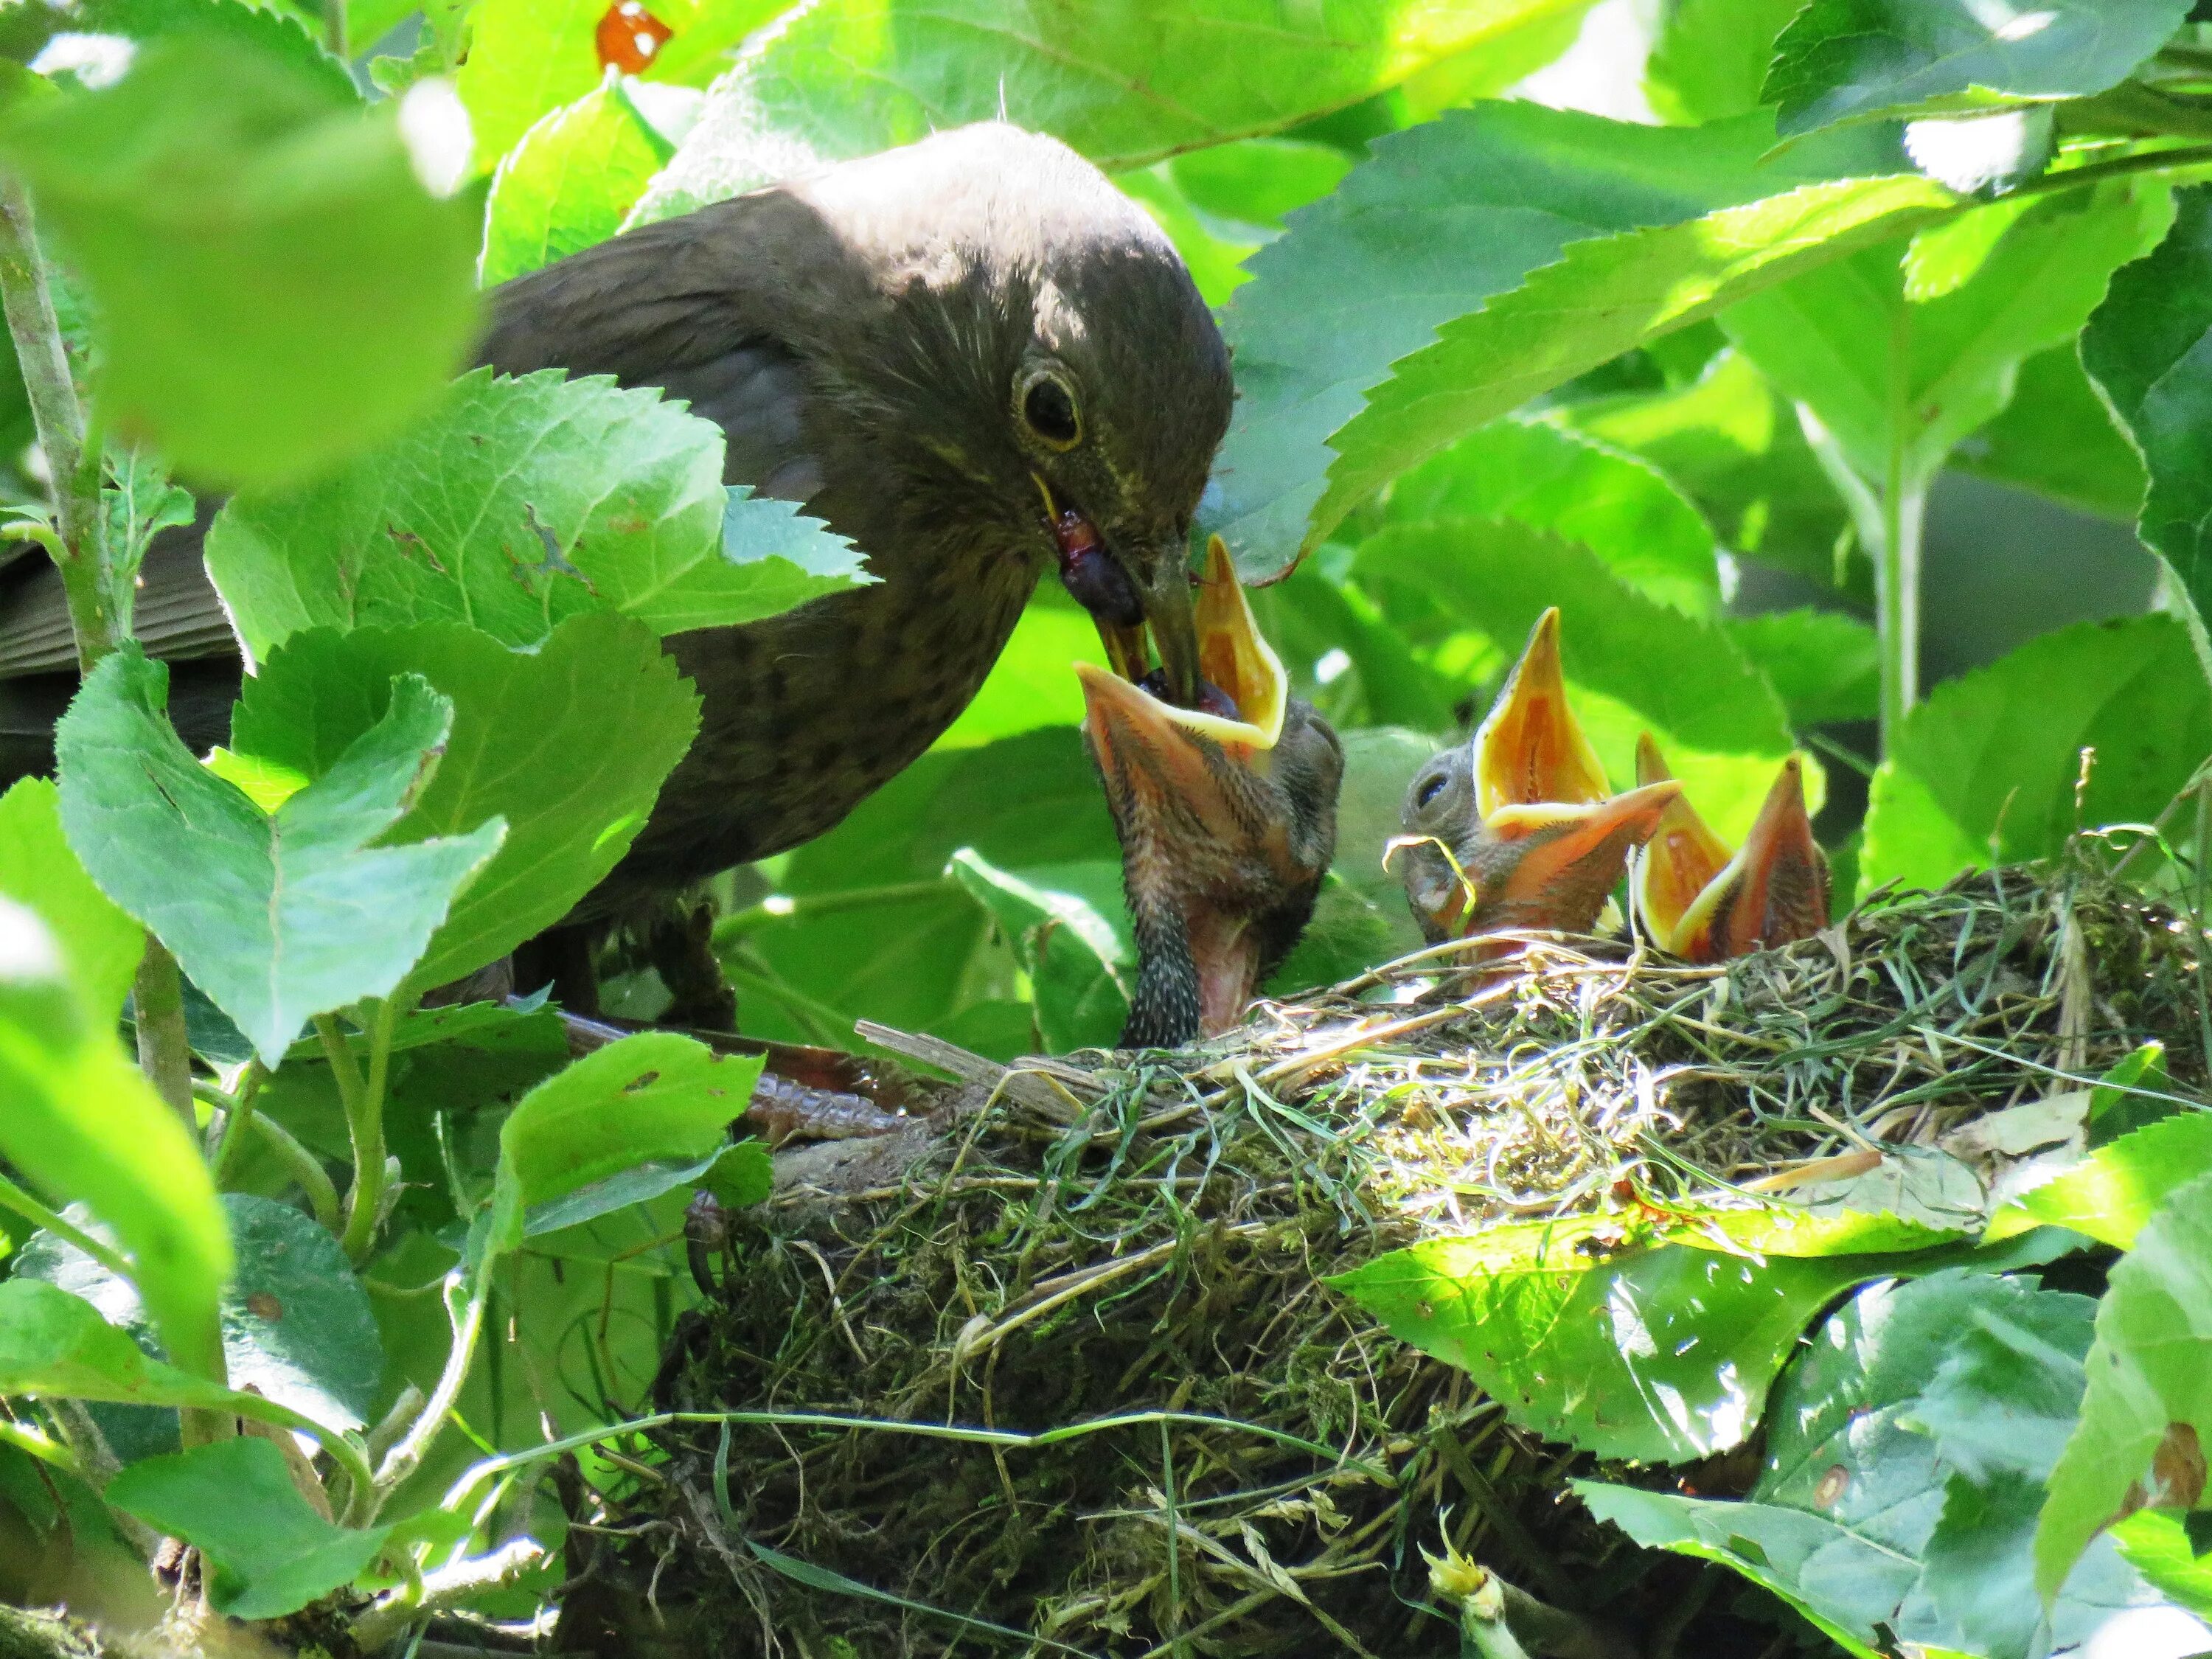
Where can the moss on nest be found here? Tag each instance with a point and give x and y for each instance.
(1098, 1239)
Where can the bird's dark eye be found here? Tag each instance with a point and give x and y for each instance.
(1048, 406)
(1431, 787)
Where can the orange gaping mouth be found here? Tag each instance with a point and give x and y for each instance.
(1245, 690)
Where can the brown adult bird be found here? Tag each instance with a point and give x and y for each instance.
(973, 356)
(1226, 815)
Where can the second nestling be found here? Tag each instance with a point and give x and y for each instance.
(1517, 831)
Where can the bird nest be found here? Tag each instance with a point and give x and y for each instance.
(1114, 1268)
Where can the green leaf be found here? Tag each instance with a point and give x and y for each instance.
(1851, 60)
(568, 183)
(1987, 767)
(1839, 1444)
(2145, 350)
(2150, 1387)
(2123, 1099)
(567, 745)
(1080, 964)
(742, 1176)
(1980, 1574)
(1550, 477)
(1259, 181)
(1509, 220)
(2114, 1193)
(2057, 437)
(1829, 1573)
(140, 503)
(650, 1098)
(56, 1345)
(519, 503)
(1657, 1355)
(1891, 376)
(1710, 57)
(100, 945)
(529, 57)
(83, 1124)
(1620, 291)
(2006, 1395)
(1124, 86)
(1029, 686)
(1917, 1420)
(627, 1188)
(275, 916)
(1684, 676)
(221, 22)
(276, 288)
(1733, 446)
(1824, 665)
(296, 1323)
(877, 929)
(235, 1502)
(1346, 658)
(2158, 1544)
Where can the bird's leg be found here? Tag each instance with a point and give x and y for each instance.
(563, 956)
(680, 944)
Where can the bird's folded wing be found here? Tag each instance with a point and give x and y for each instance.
(177, 615)
(688, 305)
(698, 307)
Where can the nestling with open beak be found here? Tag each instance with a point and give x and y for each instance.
(1226, 814)
(1516, 830)
(1700, 902)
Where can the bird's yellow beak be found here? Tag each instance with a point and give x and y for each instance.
(1557, 861)
(1232, 658)
(1530, 749)
(1701, 904)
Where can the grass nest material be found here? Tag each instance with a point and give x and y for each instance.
(1144, 1240)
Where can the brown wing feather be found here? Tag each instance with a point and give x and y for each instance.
(667, 305)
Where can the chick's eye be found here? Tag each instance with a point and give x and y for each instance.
(1431, 787)
(1048, 406)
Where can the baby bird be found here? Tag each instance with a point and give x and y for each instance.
(1516, 830)
(1226, 815)
(1700, 902)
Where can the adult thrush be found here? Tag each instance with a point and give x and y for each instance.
(1226, 815)
(973, 356)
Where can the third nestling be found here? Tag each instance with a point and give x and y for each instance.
(1517, 831)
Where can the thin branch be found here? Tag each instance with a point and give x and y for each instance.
(445, 1588)
(157, 1014)
(13, 1197)
(365, 1123)
(99, 612)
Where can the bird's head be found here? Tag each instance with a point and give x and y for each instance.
(1516, 829)
(1226, 815)
(1073, 368)
(1701, 901)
